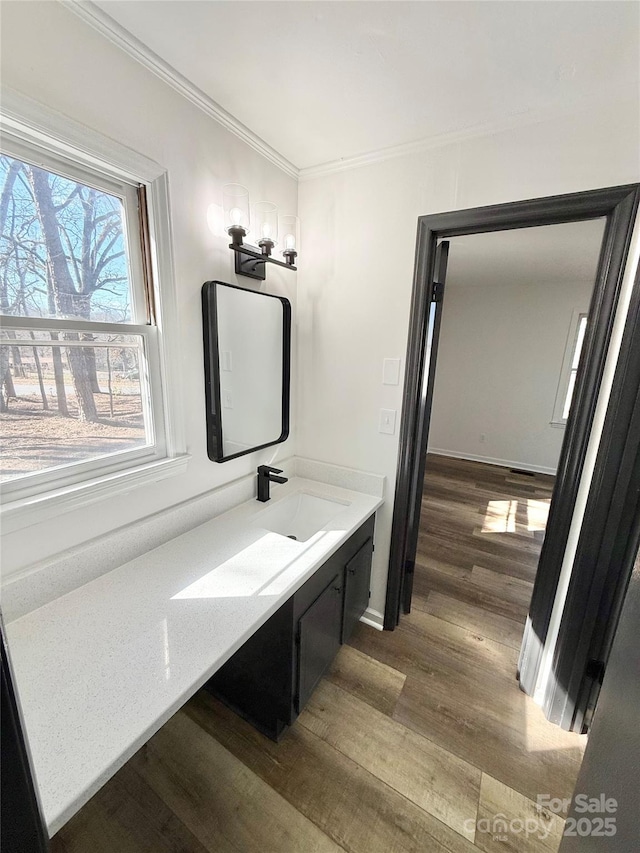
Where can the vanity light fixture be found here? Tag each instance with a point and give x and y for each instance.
(252, 260)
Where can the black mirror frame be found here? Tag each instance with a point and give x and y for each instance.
(212, 370)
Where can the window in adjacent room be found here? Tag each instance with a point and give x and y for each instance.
(569, 370)
(80, 392)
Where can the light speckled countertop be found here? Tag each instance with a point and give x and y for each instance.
(100, 669)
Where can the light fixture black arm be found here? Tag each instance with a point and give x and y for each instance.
(251, 253)
(251, 260)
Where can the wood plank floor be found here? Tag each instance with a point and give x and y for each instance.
(415, 741)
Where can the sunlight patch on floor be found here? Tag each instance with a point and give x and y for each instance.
(516, 516)
(537, 514)
(543, 736)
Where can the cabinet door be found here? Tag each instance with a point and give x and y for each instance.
(319, 633)
(357, 575)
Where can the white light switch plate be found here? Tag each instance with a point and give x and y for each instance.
(391, 371)
(387, 421)
(227, 400)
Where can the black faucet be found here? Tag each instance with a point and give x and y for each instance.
(265, 476)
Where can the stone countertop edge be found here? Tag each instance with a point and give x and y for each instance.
(176, 614)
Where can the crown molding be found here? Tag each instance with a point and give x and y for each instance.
(595, 101)
(122, 38)
(404, 149)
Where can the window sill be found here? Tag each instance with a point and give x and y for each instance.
(23, 513)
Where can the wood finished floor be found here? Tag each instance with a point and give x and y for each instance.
(412, 738)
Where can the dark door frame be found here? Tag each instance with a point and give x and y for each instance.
(433, 323)
(619, 205)
(607, 547)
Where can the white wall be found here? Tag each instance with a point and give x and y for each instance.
(359, 225)
(52, 56)
(499, 361)
(354, 287)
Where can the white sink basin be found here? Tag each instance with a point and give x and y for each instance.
(299, 516)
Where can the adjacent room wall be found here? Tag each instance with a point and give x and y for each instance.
(354, 288)
(499, 361)
(53, 57)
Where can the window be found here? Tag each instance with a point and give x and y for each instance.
(81, 378)
(569, 371)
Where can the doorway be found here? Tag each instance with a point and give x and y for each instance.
(513, 324)
(618, 206)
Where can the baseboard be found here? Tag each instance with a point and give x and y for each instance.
(373, 618)
(489, 460)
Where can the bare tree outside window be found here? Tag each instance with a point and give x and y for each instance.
(66, 394)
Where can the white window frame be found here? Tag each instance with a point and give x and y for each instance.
(558, 419)
(39, 135)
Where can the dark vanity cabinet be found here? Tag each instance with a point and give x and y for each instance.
(270, 678)
(357, 573)
(319, 636)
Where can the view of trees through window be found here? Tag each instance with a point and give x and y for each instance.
(65, 395)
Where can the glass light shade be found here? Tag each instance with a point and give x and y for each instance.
(265, 221)
(290, 233)
(235, 201)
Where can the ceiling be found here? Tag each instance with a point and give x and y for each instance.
(546, 255)
(324, 81)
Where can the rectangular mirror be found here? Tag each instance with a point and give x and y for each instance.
(247, 358)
